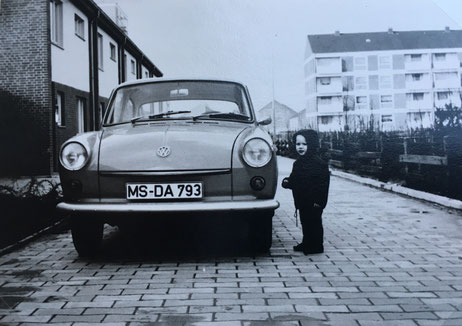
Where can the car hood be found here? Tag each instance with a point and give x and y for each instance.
(193, 146)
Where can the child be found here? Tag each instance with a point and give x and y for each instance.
(309, 182)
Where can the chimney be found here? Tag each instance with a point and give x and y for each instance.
(390, 30)
(337, 33)
(447, 29)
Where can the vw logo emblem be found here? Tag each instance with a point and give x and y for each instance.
(163, 151)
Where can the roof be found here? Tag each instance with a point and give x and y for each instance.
(382, 41)
(110, 27)
(278, 107)
(159, 80)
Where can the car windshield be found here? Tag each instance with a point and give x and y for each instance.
(179, 100)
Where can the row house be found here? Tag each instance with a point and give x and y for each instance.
(63, 59)
(385, 80)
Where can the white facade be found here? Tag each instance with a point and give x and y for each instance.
(398, 89)
(108, 74)
(144, 72)
(69, 60)
(130, 66)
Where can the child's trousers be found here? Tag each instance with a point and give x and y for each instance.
(313, 232)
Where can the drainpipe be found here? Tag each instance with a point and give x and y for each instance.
(122, 63)
(139, 70)
(94, 72)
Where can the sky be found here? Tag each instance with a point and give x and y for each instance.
(261, 43)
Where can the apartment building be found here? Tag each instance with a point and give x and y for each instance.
(60, 60)
(386, 80)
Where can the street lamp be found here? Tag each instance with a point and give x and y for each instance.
(272, 77)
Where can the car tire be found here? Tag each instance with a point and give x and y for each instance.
(87, 235)
(261, 231)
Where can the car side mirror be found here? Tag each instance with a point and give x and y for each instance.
(265, 122)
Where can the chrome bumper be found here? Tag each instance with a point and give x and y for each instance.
(158, 207)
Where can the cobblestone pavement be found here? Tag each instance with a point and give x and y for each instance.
(389, 260)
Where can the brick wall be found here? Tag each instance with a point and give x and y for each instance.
(25, 88)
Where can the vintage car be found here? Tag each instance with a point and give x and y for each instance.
(171, 146)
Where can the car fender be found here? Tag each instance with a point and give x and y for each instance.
(243, 173)
(87, 177)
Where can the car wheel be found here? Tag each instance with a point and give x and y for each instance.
(87, 234)
(261, 231)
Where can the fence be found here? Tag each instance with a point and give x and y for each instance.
(423, 160)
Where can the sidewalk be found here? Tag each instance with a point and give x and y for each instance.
(389, 260)
(392, 187)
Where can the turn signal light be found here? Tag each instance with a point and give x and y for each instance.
(257, 183)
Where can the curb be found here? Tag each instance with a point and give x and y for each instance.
(396, 188)
(32, 237)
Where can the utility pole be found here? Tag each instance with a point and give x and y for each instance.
(272, 77)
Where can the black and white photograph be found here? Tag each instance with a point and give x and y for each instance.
(231, 162)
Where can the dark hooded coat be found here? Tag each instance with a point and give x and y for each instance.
(310, 175)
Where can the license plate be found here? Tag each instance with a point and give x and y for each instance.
(186, 190)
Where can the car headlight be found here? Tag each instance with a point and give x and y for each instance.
(257, 153)
(73, 156)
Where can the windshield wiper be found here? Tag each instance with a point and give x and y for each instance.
(159, 115)
(166, 114)
(229, 115)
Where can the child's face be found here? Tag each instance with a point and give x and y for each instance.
(300, 145)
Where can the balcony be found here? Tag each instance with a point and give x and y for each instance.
(325, 85)
(328, 66)
(418, 81)
(417, 62)
(443, 98)
(330, 104)
(445, 61)
(419, 101)
(445, 80)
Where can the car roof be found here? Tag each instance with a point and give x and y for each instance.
(157, 80)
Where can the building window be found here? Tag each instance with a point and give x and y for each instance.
(113, 51)
(59, 109)
(360, 83)
(361, 99)
(416, 57)
(385, 82)
(79, 26)
(417, 96)
(325, 100)
(100, 52)
(81, 115)
(360, 63)
(132, 66)
(416, 77)
(442, 96)
(440, 56)
(384, 62)
(324, 81)
(386, 101)
(56, 22)
(326, 120)
(387, 118)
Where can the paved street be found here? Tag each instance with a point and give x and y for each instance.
(389, 260)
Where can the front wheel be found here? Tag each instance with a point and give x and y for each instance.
(87, 234)
(261, 231)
